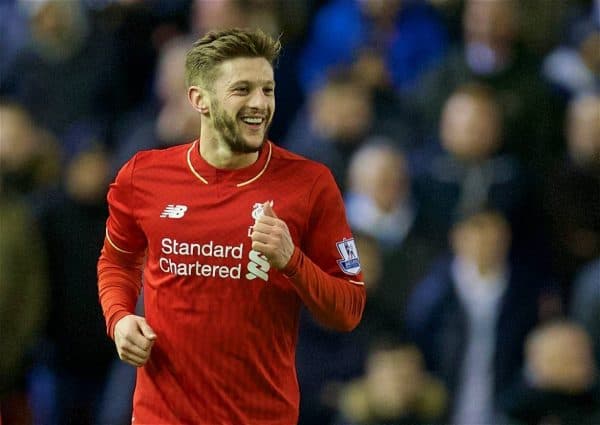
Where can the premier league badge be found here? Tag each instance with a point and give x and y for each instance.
(349, 262)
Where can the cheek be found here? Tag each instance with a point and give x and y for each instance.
(271, 108)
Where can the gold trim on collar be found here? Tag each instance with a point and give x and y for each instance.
(247, 182)
(189, 161)
(261, 171)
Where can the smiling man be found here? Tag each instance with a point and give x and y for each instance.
(233, 235)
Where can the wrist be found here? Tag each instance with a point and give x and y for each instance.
(115, 319)
(291, 268)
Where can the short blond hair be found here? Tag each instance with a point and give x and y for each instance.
(218, 46)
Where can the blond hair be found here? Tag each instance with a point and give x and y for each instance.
(218, 46)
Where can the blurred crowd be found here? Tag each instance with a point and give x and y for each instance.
(463, 134)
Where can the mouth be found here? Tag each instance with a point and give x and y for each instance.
(253, 122)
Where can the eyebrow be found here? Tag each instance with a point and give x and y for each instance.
(250, 83)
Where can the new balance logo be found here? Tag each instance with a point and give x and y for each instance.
(174, 211)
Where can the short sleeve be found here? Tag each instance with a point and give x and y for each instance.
(122, 228)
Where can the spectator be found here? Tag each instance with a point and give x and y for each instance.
(388, 42)
(69, 72)
(336, 119)
(324, 360)
(23, 277)
(560, 383)
(469, 172)
(380, 205)
(585, 303)
(574, 66)
(396, 389)
(471, 314)
(493, 54)
(31, 156)
(73, 227)
(169, 120)
(15, 34)
(378, 198)
(571, 202)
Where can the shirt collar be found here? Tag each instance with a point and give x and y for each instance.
(208, 174)
(479, 293)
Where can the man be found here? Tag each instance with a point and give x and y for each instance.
(472, 312)
(235, 234)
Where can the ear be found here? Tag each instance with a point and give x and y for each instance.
(198, 99)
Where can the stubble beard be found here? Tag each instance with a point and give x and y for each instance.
(230, 132)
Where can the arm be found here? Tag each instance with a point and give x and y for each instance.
(335, 302)
(119, 283)
(120, 273)
(334, 294)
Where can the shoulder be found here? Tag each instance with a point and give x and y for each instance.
(297, 164)
(156, 160)
(161, 157)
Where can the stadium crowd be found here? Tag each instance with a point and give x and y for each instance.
(464, 135)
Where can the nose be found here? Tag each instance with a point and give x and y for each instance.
(257, 99)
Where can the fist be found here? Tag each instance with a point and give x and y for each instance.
(134, 339)
(271, 237)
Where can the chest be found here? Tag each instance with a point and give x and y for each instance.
(218, 213)
(203, 230)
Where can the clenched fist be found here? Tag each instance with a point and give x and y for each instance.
(271, 237)
(134, 339)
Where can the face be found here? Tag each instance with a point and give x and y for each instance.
(490, 22)
(87, 175)
(242, 103)
(470, 127)
(17, 139)
(484, 240)
(395, 378)
(342, 112)
(583, 130)
(381, 174)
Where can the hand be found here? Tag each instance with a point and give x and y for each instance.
(134, 339)
(271, 237)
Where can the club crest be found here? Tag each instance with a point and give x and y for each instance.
(257, 210)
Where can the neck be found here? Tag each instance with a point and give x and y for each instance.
(217, 153)
(490, 270)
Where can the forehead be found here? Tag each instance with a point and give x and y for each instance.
(462, 103)
(256, 70)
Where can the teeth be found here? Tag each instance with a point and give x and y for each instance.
(252, 120)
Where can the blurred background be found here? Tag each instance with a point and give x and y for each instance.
(463, 134)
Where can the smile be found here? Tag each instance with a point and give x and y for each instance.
(253, 120)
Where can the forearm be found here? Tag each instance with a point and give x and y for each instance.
(119, 284)
(335, 302)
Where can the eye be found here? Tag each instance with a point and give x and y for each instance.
(241, 90)
(268, 91)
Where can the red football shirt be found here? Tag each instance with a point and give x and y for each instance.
(226, 322)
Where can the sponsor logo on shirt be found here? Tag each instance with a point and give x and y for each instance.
(174, 211)
(203, 256)
(349, 263)
(198, 258)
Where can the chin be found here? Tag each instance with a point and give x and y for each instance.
(244, 145)
(254, 142)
